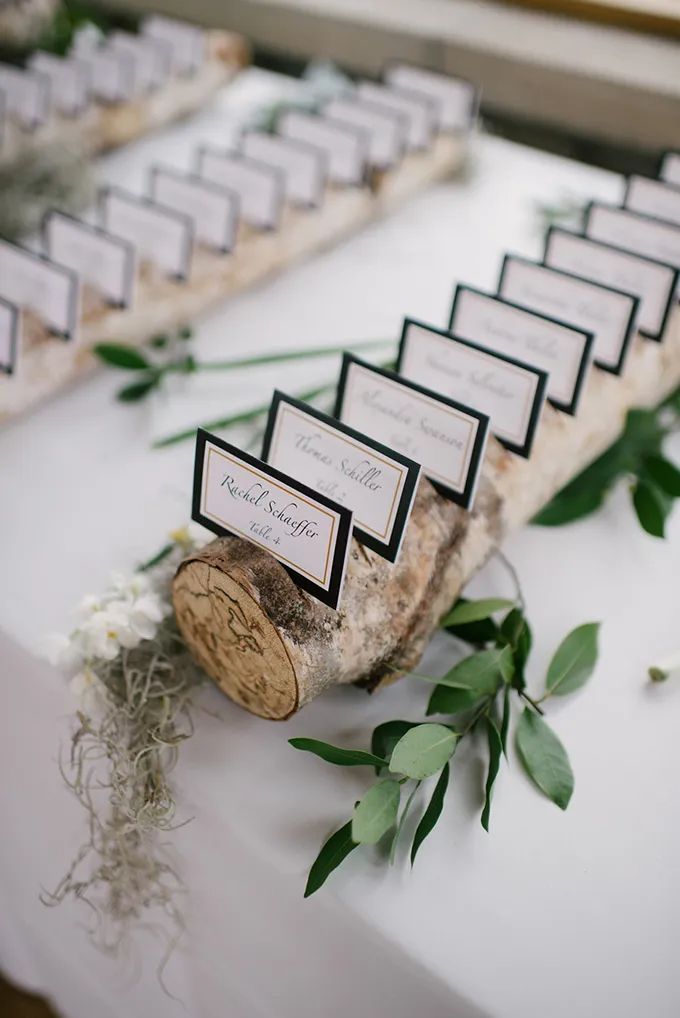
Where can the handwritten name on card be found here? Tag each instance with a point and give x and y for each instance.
(653, 198)
(375, 482)
(446, 438)
(634, 232)
(260, 188)
(652, 282)
(51, 291)
(160, 234)
(107, 263)
(510, 393)
(345, 147)
(9, 336)
(303, 166)
(609, 314)
(235, 493)
(420, 113)
(456, 100)
(386, 129)
(562, 351)
(213, 210)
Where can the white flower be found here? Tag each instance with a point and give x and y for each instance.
(62, 651)
(105, 632)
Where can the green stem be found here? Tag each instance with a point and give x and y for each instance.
(289, 355)
(155, 559)
(530, 700)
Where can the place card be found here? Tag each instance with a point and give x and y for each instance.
(27, 95)
(69, 80)
(111, 73)
(303, 166)
(456, 100)
(653, 198)
(260, 188)
(445, 437)
(188, 43)
(634, 232)
(670, 167)
(152, 58)
(386, 129)
(376, 483)
(213, 210)
(509, 392)
(608, 313)
(9, 336)
(309, 534)
(544, 342)
(346, 148)
(161, 234)
(652, 282)
(419, 112)
(32, 281)
(106, 262)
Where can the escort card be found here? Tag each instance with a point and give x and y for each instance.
(386, 129)
(9, 336)
(260, 188)
(32, 281)
(309, 534)
(609, 314)
(187, 42)
(652, 282)
(346, 148)
(446, 438)
(303, 166)
(212, 209)
(456, 99)
(634, 232)
(419, 112)
(375, 482)
(112, 74)
(27, 95)
(561, 350)
(653, 198)
(670, 167)
(152, 58)
(106, 262)
(161, 234)
(69, 80)
(509, 392)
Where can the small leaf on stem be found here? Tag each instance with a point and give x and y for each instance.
(138, 390)
(650, 507)
(423, 751)
(664, 474)
(472, 611)
(376, 812)
(432, 813)
(573, 661)
(445, 700)
(337, 755)
(387, 735)
(480, 673)
(332, 853)
(495, 749)
(121, 356)
(544, 758)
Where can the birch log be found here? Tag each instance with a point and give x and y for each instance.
(272, 648)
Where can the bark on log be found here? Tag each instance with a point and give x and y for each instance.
(272, 648)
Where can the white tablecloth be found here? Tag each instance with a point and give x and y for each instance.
(550, 914)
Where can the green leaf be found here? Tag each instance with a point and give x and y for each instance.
(516, 633)
(573, 661)
(387, 735)
(505, 720)
(402, 820)
(138, 390)
(477, 634)
(544, 758)
(664, 474)
(121, 356)
(432, 813)
(332, 853)
(650, 507)
(423, 751)
(480, 673)
(568, 507)
(473, 611)
(445, 700)
(337, 755)
(376, 812)
(495, 749)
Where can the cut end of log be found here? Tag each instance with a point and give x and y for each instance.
(232, 639)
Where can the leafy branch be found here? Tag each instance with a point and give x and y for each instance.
(636, 456)
(475, 695)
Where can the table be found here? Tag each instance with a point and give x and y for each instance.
(550, 914)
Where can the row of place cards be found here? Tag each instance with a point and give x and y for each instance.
(121, 68)
(322, 479)
(249, 183)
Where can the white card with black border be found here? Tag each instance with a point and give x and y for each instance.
(345, 147)
(635, 232)
(260, 188)
(34, 282)
(105, 262)
(386, 129)
(10, 317)
(162, 235)
(653, 198)
(212, 208)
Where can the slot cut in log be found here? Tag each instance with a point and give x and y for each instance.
(272, 648)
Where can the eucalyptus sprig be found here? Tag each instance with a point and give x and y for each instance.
(475, 696)
(638, 457)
